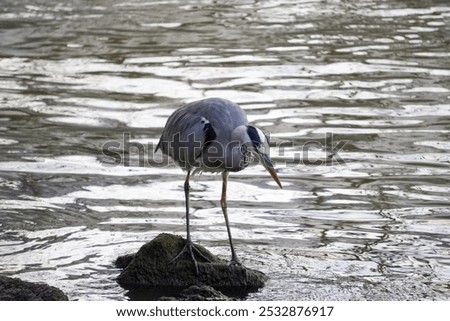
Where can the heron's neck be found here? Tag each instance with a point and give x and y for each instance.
(237, 151)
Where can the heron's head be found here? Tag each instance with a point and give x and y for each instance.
(257, 144)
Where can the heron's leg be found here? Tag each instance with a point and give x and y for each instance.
(223, 204)
(189, 247)
(187, 189)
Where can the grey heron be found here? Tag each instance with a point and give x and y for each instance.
(213, 135)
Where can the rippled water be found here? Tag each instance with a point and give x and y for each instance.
(356, 93)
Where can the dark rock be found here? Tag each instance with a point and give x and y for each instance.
(123, 261)
(151, 270)
(12, 289)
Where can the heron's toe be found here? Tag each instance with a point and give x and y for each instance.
(236, 262)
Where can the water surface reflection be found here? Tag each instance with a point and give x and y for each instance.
(373, 74)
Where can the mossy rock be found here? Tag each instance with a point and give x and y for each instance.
(12, 289)
(151, 269)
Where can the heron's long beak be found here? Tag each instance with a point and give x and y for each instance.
(267, 163)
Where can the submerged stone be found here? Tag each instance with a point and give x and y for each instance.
(150, 271)
(12, 289)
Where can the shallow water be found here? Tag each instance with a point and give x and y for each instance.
(356, 99)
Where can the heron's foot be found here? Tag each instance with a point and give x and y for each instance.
(191, 250)
(236, 262)
(241, 268)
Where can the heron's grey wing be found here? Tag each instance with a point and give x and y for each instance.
(185, 137)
